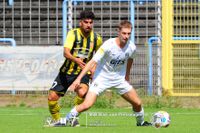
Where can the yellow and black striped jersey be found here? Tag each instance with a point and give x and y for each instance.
(80, 46)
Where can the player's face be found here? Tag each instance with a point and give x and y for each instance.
(124, 35)
(86, 25)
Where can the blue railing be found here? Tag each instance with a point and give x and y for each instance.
(150, 76)
(10, 2)
(114, 0)
(11, 40)
(64, 18)
(186, 38)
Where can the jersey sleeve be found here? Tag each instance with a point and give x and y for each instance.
(100, 53)
(133, 51)
(69, 40)
(99, 42)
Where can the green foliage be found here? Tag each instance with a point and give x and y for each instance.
(11, 105)
(102, 103)
(110, 99)
(106, 100)
(67, 100)
(22, 104)
(161, 102)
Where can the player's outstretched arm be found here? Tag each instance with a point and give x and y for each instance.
(88, 67)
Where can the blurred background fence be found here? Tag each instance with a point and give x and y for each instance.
(181, 47)
(43, 24)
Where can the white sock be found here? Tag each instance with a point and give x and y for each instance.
(72, 113)
(140, 116)
(63, 121)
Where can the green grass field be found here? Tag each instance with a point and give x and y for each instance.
(30, 120)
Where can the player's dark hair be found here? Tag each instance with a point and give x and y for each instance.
(125, 24)
(86, 14)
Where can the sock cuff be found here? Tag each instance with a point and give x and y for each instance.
(74, 112)
(140, 117)
(140, 113)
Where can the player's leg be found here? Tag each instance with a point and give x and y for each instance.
(54, 107)
(94, 90)
(89, 100)
(82, 90)
(79, 98)
(130, 95)
(57, 90)
(87, 103)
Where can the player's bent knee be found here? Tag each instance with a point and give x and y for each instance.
(53, 96)
(81, 92)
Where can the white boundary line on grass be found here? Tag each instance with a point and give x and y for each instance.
(95, 114)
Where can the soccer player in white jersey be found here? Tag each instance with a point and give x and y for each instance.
(113, 61)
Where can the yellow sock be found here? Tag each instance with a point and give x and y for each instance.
(78, 100)
(54, 109)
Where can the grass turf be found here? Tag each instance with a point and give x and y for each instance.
(31, 120)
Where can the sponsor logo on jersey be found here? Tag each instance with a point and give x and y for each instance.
(117, 62)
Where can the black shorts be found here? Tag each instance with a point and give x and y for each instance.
(63, 81)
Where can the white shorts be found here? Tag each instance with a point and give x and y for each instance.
(98, 87)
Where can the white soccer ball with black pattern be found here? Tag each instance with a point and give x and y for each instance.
(160, 119)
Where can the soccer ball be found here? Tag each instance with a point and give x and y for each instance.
(160, 119)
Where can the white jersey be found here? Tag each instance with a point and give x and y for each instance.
(112, 61)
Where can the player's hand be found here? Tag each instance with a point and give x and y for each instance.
(80, 63)
(127, 78)
(92, 74)
(74, 85)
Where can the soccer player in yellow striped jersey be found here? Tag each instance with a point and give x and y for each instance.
(80, 45)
